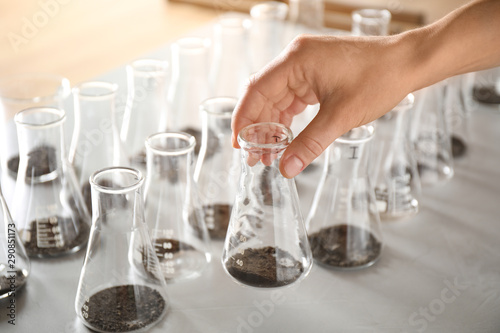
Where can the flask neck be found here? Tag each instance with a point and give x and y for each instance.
(117, 198)
(41, 141)
(190, 60)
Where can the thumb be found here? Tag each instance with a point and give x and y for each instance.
(309, 144)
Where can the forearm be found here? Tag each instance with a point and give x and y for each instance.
(466, 40)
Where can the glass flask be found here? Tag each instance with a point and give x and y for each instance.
(430, 136)
(486, 87)
(218, 164)
(371, 22)
(173, 209)
(48, 207)
(344, 224)
(395, 175)
(17, 93)
(14, 262)
(98, 143)
(147, 95)
(230, 67)
(267, 32)
(456, 113)
(189, 85)
(121, 288)
(266, 244)
(308, 13)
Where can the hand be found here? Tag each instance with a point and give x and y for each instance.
(355, 80)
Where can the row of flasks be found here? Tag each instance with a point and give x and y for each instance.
(168, 181)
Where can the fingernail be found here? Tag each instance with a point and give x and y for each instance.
(293, 166)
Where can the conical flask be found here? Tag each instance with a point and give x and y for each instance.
(218, 164)
(48, 207)
(146, 109)
(98, 145)
(370, 22)
(267, 32)
(230, 68)
(307, 13)
(19, 92)
(395, 175)
(189, 86)
(343, 224)
(430, 135)
(14, 262)
(266, 244)
(173, 208)
(121, 288)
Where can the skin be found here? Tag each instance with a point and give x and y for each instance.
(358, 79)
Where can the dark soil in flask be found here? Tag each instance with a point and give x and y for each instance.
(345, 246)
(117, 309)
(266, 267)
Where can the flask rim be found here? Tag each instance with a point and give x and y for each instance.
(372, 15)
(207, 106)
(106, 90)
(135, 184)
(22, 117)
(161, 150)
(356, 135)
(280, 144)
(148, 67)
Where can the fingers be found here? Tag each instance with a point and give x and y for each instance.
(310, 143)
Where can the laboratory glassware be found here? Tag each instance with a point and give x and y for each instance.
(48, 207)
(430, 136)
(395, 175)
(343, 223)
(19, 92)
(120, 288)
(371, 22)
(14, 262)
(189, 85)
(230, 67)
(173, 208)
(218, 164)
(266, 244)
(98, 142)
(146, 108)
(307, 13)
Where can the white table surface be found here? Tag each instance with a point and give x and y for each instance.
(439, 271)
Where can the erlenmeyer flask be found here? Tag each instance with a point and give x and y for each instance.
(430, 136)
(218, 165)
(121, 288)
(267, 32)
(189, 86)
(343, 224)
(266, 244)
(48, 207)
(395, 175)
(146, 109)
(456, 112)
(98, 145)
(17, 93)
(14, 263)
(173, 208)
(370, 22)
(230, 68)
(308, 13)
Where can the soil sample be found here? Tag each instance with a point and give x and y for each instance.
(486, 94)
(266, 267)
(345, 246)
(7, 278)
(124, 308)
(217, 219)
(41, 161)
(49, 241)
(458, 147)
